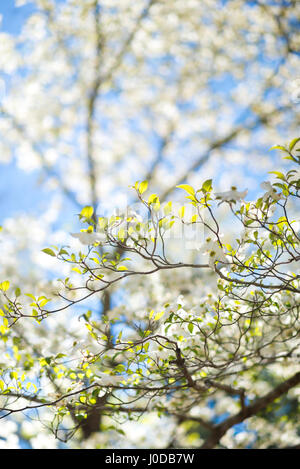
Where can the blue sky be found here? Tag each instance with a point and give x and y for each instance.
(19, 191)
(13, 17)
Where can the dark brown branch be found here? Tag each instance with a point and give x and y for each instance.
(249, 411)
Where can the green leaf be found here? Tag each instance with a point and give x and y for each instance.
(13, 375)
(76, 269)
(159, 315)
(187, 188)
(87, 212)
(30, 296)
(168, 208)
(153, 198)
(207, 185)
(49, 252)
(121, 234)
(278, 174)
(143, 186)
(34, 387)
(44, 302)
(290, 158)
(181, 212)
(4, 286)
(293, 143)
(279, 147)
(63, 251)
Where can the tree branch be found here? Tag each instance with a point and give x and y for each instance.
(249, 411)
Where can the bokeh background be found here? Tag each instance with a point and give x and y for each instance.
(98, 95)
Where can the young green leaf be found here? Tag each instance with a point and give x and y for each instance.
(49, 252)
(87, 212)
(143, 186)
(187, 188)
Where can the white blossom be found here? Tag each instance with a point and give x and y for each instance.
(214, 251)
(232, 195)
(271, 191)
(89, 237)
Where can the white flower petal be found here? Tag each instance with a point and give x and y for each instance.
(88, 238)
